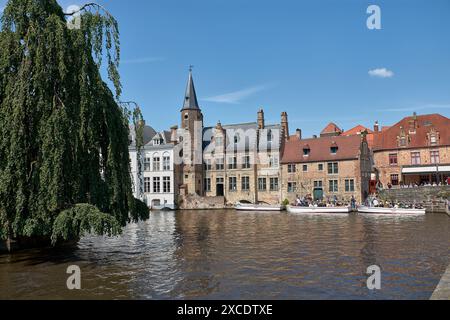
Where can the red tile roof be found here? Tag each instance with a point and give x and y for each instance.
(370, 138)
(356, 130)
(387, 139)
(349, 148)
(331, 128)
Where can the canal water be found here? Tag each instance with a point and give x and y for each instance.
(235, 255)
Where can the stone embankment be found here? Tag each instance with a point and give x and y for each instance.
(442, 291)
(194, 202)
(433, 198)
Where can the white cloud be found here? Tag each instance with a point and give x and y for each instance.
(142, 60)
(418, 108)
(236, 96)
(381, 73)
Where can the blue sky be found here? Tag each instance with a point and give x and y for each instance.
(309, 58)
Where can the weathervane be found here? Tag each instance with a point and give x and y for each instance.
(191, 67)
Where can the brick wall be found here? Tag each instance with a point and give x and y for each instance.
(381, 160)
(350, 169)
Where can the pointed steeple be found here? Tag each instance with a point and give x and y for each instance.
(190, 98)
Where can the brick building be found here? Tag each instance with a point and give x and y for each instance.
(325, 167)
(416, 150)
(237, 162)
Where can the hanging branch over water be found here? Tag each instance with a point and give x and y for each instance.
(63, 137)
(138, 126)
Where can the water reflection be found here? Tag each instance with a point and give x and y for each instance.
(231, 255)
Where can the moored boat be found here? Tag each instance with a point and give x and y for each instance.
(318, 210)
(258, 207)
(390, 211)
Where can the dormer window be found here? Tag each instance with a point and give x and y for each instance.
(402, 141)
(156, 142)
(334, 148)
(433, 137)
(306, 151)
(403, 138)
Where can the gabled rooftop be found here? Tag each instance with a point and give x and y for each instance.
(357, 130)
(417, 130)
(348, 148)
(331, 130)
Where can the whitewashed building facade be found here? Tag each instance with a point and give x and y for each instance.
(154, 179)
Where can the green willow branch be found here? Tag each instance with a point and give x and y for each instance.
(86, 6)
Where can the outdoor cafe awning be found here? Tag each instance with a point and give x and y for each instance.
(426, 170)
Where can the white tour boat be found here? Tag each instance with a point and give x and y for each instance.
(390, 211)
(257, 207)
(318, 210)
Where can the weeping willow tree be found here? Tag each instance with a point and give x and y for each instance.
(64, 161)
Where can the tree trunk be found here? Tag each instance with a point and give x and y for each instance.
(9, 240)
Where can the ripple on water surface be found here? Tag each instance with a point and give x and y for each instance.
(235, 255)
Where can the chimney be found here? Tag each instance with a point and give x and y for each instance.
(413, 124)
(376, 127)
(219, 126)
(174, 135)
(285, 125)
(261, 119)
(298, 133)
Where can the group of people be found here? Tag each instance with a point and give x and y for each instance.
(446, 182)
(424, 184)
(308, 201)
(376, 203)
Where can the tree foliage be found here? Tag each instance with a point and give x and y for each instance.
(63, 136)
(81, 219)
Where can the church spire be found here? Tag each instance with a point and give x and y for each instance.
(190, 98)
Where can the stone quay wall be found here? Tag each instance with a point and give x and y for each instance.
(195, 202)
(442, 291)
(434, 198)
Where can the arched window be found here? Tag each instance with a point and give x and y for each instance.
(237, 138)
